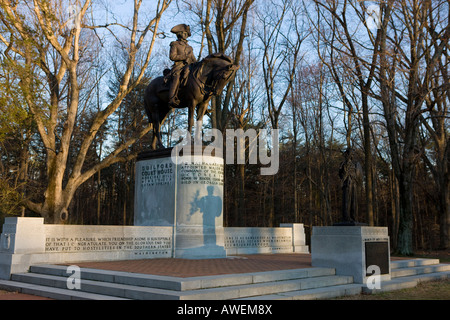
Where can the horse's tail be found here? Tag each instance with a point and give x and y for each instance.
(147, 104)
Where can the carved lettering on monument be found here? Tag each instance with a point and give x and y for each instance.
(260, 241)
(157, 174)
(201, 173)
(66, 244)
(189, 173)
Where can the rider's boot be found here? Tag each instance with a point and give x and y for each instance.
(173, 99)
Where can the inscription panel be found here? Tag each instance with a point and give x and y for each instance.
(257, 241)
(377, 253)
(257, 238)
(201, 173)
(85, 244)
(157, 174)
(162, 174)
(150, 241)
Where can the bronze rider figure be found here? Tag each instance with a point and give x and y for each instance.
(182, 54)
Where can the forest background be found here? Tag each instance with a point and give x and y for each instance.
(371, 75)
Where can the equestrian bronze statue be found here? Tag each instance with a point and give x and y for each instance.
(189, 84)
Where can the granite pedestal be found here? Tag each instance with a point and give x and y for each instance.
(352, 250)
(184, 191)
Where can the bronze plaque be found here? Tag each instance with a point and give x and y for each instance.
(377, 253)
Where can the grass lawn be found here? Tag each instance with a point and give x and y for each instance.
(432, 290)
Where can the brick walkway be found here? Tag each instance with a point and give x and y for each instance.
(192, 268)
(5, 295)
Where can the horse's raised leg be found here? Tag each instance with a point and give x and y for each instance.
(201, 110)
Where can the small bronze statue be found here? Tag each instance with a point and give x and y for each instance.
(350, 173)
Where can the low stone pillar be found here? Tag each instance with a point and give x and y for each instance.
(298, 237)
(20, 237)
(23, 235)
(186, 192)
(357, 251)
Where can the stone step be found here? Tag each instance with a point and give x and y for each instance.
(308, 283)
(407, 282)
(397, 264)
(184, 284)
(313, 294)
(411, 271)
(51, 292)
(405, 274)
(97, 287)
(353, 289)
(268, 288)
(217, 293)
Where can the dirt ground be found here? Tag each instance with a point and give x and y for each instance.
(6, 295)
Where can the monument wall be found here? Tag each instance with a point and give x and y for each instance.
(28, 241)
(287, 238)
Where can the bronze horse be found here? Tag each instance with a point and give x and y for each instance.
(206, 78)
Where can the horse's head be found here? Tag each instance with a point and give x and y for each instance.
(221, 71)
(224, 76)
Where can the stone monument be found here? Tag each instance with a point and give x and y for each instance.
(178, 191)
(355, 251)
(184, 190)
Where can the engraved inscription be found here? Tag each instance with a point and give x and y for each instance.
(157, 174)
(259, 241)
(201, 173)
(86, 244)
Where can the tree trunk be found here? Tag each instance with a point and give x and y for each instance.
(444, 206)
(240, 219)
(404, 243)
(394, 207)
(367, 160)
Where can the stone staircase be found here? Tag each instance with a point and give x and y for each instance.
(404, 274)
(308, 283)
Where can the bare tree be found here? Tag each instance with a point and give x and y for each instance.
(224, 26)
(282, 35)
(436, 119)
(48, 39)
(345, 42)
(412, 83)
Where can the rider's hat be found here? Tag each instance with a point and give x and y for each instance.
(180, 28)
